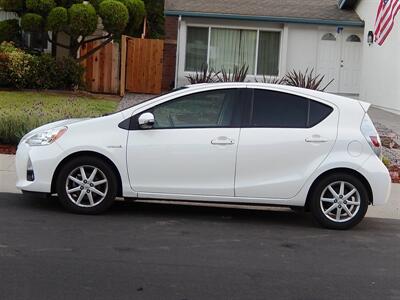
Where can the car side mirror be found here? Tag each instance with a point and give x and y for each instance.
(146, 120)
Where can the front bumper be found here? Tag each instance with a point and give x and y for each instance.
(44, 160)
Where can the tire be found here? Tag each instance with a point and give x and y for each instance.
(86, 195)
(342, 210)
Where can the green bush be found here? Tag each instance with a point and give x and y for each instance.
(31, 22)
(57, 19)
(82, 19)
(11, 5)
(10, 31)
(115, 15)
(42, 7)
(70, 74)
(19, 69)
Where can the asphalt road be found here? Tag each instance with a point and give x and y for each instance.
(153, 251)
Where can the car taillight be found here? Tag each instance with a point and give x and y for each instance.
(369, 131)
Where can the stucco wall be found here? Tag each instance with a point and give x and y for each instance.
(380, 75)
(299, 43)
(302, 47)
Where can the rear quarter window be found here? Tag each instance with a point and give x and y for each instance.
(318, 113)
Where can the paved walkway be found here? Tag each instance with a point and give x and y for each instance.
(7, 174)
(131, 99)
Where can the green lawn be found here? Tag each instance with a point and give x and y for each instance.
(20, 112)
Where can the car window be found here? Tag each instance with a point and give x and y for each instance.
(206, 109)
(318, 113)
(279, 110)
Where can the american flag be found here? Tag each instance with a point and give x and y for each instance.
(387, 12)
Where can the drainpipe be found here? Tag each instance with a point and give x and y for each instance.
(177, 51)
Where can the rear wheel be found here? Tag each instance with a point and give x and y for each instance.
(86, 185)
(339, 201)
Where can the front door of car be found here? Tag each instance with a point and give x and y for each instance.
(286, 139)
(190, 149)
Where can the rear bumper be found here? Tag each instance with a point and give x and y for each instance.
(379, 179)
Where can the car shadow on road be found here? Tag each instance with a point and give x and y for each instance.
(131, 210)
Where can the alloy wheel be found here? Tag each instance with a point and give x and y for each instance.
(86, 186)
(340, 201)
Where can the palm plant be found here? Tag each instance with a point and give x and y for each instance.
(308, 80)
(204, 75)
(238, 74)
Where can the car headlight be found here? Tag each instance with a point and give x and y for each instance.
(46, 137)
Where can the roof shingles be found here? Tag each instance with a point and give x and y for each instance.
(295, 9)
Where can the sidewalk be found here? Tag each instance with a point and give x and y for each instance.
(7, 174)
(8, 178)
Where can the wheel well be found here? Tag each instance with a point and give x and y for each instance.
(90, 153)
(340, 170)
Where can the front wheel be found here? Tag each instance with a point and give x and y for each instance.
(86, 185)
(339, 201)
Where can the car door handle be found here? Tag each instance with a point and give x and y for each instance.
(316, 139)
(222, 140)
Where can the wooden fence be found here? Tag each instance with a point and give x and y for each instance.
(138, 69)
(141, 65)
(102, 68)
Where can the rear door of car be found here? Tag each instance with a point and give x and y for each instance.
(284, 140)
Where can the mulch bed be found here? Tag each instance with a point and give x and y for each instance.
(391, 150)
(8, 149)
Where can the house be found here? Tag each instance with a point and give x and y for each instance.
(273, 37)
(380, 72)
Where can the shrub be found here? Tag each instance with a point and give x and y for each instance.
(82, 19)
(42, 7)
(238, 74)
(10, 31)
(70, 74)
(32, 22)
(19, 69)
(115, 16)
(11, 5)
(57, 19)
(18, 65)
(307, 80)
(204, 75)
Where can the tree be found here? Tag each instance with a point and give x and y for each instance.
(78, 19)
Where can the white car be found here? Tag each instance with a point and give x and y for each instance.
(247, 143)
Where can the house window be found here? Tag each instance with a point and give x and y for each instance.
(223, 48)
(230, 47)
(268, 53)
(196, 48)
(354, 39)
(328, 37)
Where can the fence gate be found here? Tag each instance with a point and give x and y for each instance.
(141, 65)
(101, 68)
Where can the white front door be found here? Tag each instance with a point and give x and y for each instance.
(288, 137)
(328, 58)
(350, 64)
(191, 149)
(339, 58)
